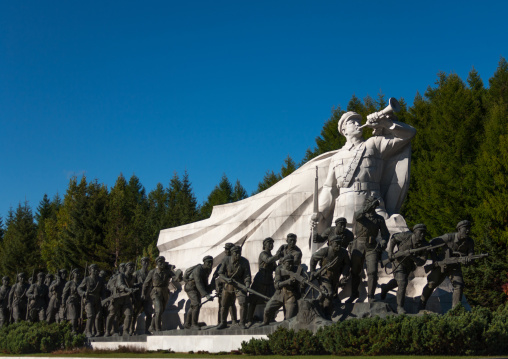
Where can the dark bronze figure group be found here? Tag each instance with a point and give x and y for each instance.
(113, 306)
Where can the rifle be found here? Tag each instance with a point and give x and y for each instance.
(453, 260)
(316, 207)
(301, 279)
(208, 300)
(247, 289)
(326, 267)
(116, 296)
(410, 252)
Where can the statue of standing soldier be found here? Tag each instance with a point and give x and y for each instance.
(219, 285)
(4, 302)
(37, 299)
(18, 299)
(157, 283)
(55, 297)
(196, 287)
(71, 301)
(121, 301)
(142, 305)
(290, 248)
(340, 230)
(234, 270)
(91, 290)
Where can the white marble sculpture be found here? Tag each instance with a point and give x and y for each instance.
(377, 166)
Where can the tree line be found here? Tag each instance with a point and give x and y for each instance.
(459, 170)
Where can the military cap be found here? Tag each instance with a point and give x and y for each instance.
(4, 278)
(145, 259)
(21, 275)
(340, 220)
(291, 235)
(336, 239)
(288, 258)
(75, 271)
(121, 265)
(160, 259)
(94, 266)
(62, 271)
(348, 115)
(129, 264)
(420, 226)
(463, 223)
(228, 245)
(236, 249)
(207, 258)
(267, 240)
(41, 274)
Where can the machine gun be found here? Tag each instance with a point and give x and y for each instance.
(301, 279)
(410, 252)
(241, 286)
(448, 260)
(116, 296)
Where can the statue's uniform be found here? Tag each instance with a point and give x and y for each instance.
(455, 247)
(196, 288)
(366, 248)
(239, 271)
(38, 301)
(286, 294)
(55, 299)
(330, 278)
(357, 171)
(145, 306)
(93, 289)
(346, 237)
(404, 266)
(295, 252)
(4, 303)
(18, 301)
(72, 302)
(158, 280)
(263, 281)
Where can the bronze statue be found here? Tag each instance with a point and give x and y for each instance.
(38, 297)
(5, 313)
(412, 252)
(365, 247)
(55, 297)
(219, 285)
(235, 271)
(263, 280)
(91, 289)
(142, 305)
(334, 262)
(287, 291)
(157, 283)
(340, 230)
(120, 302)
(18, 299)
(196, 287)
(290, 248)
(459, 249)
(71, 301)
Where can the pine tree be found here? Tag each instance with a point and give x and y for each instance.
(268, 181)
(158, 213)
(239, 192)
(221, 194)
(2, 230)
(288, 167)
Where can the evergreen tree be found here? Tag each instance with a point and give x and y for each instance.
(288, 167)
(239, 192)
(268, 181)
(2, 230)
(158, 213)
(186, 202)
(19, 248)
(221, 194)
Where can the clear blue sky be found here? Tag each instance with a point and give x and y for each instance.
(156, 87)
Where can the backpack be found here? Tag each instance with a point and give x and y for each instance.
(188, 272)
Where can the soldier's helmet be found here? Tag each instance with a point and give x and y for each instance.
(420, 226)
(464, 223)
(160, 259)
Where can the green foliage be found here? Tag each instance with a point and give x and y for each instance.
(223, 193)
(26, 338)
(479, 332)
(272, 178)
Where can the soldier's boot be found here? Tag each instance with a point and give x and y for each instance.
(188, 319)
(401, 310)
(89, 328)
(355, 291)
(401, 297)
(127, 325)
(385, 288)
(109, 326)
(457, 296)
(99, 325)
(194, 317)
(243, 316)
(371, 287)
(250, 313)
(148, 323)
(223, 318)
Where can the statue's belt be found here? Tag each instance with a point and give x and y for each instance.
(361, 186)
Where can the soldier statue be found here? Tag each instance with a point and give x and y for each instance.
(157, 284)
(55, 297)
(38, 297)
(340, 230)
(196, 287)
(71, 301)
(91, 289)
(290, 248)
(18, 299)
(121, 301)
(365, 248)
(459, 248)
(219, 285)
(334, 262)
(287, 291)
(404, 265)
(140, 305)
(235, 272)
(263, 280)
(4, 302)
